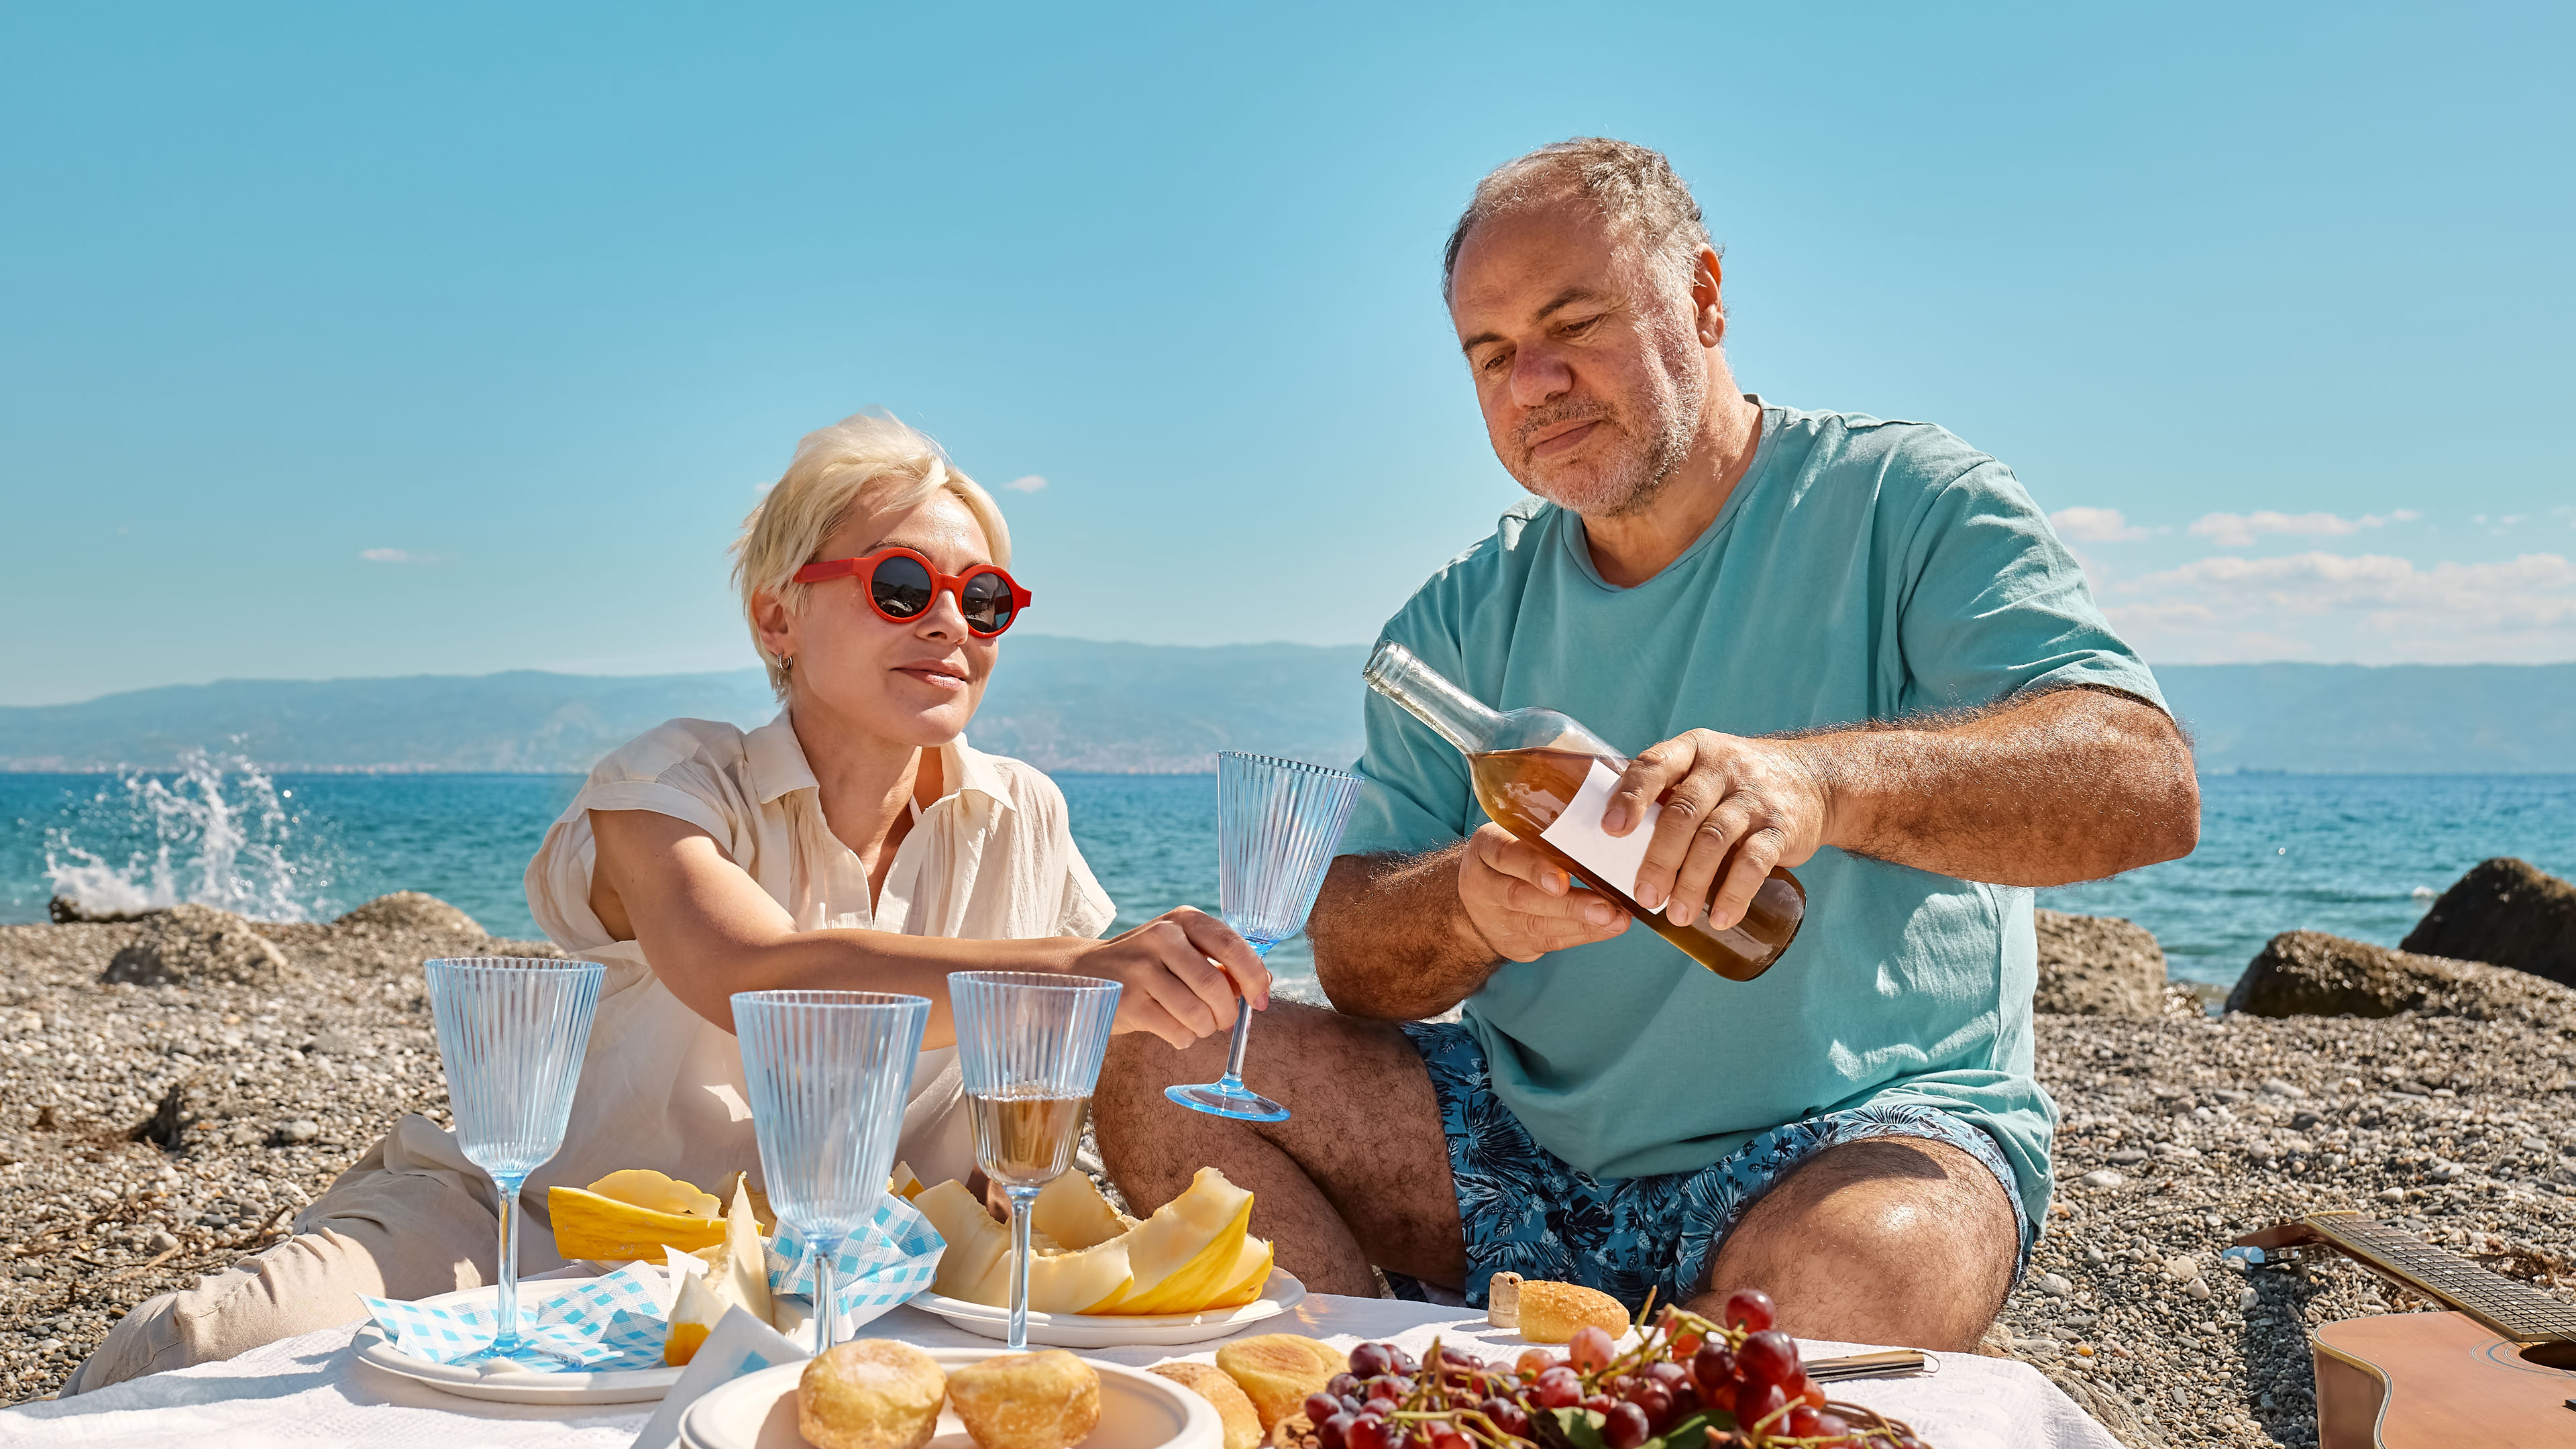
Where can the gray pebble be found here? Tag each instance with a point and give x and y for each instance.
(2102, 1177)
(302, 1129)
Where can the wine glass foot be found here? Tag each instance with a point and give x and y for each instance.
(1228, 1098)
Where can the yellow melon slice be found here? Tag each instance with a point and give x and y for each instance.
(589, 1223)
(743, 1274)
(658, 1192)
(975, 1242)
(1186, 1254)
(740, 1182)
(1251, 1271)
(1071, 1211)
(976, 1264)
(695, 1311)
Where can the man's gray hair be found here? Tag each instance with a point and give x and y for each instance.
(1633, 186)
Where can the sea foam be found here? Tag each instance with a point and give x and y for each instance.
(219, 833)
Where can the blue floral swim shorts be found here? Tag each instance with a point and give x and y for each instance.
(1523, 1209)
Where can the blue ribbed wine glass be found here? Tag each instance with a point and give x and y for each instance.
(828, 1072)
(1029, 1046)
(510, 1035)
(1277, 822)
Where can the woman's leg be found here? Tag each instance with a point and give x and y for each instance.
(406, 1229)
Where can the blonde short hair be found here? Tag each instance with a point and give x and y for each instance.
(867, 461)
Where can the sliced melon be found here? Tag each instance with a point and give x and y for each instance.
(743, 1274)
(589, 1224)
(1071, 1211)
(659, 1192)
(975, 1242)
(1252, 1271)
(976, 1264)
(695, 1311)
(1187, 1253)
(760, 1213)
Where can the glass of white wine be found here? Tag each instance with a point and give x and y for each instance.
(1029, 1046)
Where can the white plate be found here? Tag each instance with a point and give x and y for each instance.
(1114, 1330)
(1138, 1410)
(510, 1384)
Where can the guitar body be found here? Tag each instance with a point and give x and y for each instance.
(2421, 1380)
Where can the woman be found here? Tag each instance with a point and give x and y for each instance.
(854, 842)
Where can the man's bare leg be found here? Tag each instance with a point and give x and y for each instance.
(1358, 1174)
(1894, 1240)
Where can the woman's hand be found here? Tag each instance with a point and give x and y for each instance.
(1182, 971)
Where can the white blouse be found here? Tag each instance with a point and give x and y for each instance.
(661, 1087)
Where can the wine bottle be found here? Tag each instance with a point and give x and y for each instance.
(1546, 779)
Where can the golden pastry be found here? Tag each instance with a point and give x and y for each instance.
(873, 1393)
(1278, 1370)
(1551, 1312)
(1233, 1410)
(1048, 1400)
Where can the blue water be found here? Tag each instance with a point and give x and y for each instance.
(2357, 855)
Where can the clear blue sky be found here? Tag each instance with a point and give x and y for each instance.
(525, 301)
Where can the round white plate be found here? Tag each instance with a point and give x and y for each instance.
(510, 1384)
(1115, 1330)
(1138, 1410)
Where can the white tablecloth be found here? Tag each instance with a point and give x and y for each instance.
(313, 1390)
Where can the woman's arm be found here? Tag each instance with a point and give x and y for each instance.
(711, 931)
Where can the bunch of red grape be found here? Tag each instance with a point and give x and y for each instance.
(1688, 1383)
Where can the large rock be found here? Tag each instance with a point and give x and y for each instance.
(2098, 966)
(2309, 973)
(2504, 912)
(412, 911)
(190, 944)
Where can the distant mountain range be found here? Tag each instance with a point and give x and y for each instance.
(1076, 705)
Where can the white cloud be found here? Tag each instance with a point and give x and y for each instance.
(2371, 607)
(2095, 525)
(398, 556)
(1030, 484)
(2239, 530)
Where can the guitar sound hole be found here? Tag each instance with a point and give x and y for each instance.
(2558, 1355)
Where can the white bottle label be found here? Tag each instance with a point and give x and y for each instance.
(1606, 859)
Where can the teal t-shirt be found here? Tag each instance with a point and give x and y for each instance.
(1861, 570)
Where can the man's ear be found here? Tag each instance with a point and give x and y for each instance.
(1707, 273)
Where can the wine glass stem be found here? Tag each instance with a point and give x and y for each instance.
(1242, 1035)
(826, 1314)
(1022, 1200)
(505, 1312)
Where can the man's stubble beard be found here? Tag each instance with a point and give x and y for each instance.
(1649, 472)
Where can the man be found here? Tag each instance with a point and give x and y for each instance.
(1835, 643)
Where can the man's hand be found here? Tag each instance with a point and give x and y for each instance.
(1731, 805)
(1181, 972)
(1523, 904)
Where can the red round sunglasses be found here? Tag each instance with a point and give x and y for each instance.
(901, 584)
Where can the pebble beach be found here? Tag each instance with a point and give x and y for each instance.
(172, 1092)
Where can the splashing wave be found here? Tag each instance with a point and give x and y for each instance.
(219, 833)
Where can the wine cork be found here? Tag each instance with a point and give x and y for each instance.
(1503, 1301)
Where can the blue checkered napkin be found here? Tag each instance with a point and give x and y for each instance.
(892, 1259)
(594, 1325)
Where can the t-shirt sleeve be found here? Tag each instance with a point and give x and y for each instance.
(1417, 797)
(1994, 605)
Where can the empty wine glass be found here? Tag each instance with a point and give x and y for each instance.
(1277, 822)
(1029, 1046)
(828, 1072)
(510, 1036)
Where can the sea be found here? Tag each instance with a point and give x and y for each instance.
(2356, 855)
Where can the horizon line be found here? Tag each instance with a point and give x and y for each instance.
(754, 669)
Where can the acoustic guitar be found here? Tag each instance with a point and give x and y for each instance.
(2499, 1371)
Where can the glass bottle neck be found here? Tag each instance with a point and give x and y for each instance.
(1459, 717)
